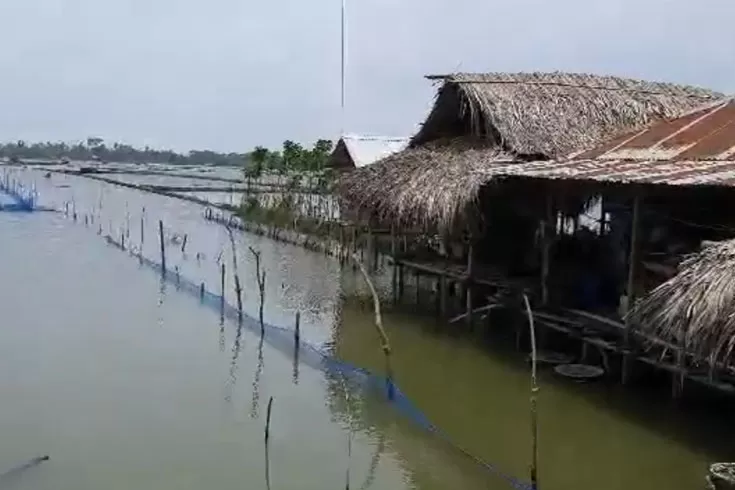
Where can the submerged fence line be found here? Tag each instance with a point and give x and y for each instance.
(288, 341)
(282, 338)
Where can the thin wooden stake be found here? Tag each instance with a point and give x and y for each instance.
(297, 331)
(163, 246)
(534, 395)
(238, 287)
(260, 278)
(267, 443)
(222, 290)
(268, 419)
(142, 229)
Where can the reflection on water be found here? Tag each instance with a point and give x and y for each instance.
(108, 383)
(255, 403)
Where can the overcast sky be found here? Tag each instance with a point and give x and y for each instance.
(231, 74)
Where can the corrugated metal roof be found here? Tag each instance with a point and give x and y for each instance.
(697, 148)
(707, 133)
(680, 172)
(365, 150)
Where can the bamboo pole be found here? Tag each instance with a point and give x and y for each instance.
(385, 343)
(163, 246)
(534, 396)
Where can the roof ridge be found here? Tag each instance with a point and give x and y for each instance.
(577, 80)
(364, 137)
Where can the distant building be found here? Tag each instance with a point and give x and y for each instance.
(353, 151)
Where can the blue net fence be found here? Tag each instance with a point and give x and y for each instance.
(281, 338)
(24, 198)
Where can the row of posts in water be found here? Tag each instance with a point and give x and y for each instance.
(260, 275)
(89, 220)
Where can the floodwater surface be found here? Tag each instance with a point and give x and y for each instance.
(127, 382)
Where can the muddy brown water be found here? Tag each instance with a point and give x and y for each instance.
(127, 382)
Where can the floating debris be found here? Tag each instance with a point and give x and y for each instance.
(579, 372)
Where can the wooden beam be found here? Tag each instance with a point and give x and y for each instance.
(632, 274)
(632, 262)
(546, 247)
(470, 261)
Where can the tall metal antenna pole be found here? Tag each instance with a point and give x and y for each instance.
(342, 106)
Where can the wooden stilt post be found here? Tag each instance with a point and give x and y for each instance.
(630, 291)
(400, 281)
(418, 287)
(546, 247)
(443, 291)
(369, 245)
(470, 261)
(603, 216)
(677, 385)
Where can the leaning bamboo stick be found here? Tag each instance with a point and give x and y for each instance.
(385, 343)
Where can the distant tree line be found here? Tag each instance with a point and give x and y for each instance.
(291, 157)
(96, 149)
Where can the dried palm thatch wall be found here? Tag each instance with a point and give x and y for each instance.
(479, 120)
(697, 306)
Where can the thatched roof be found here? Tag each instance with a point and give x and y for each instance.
(552, 114)
(478, 118)
(697, 305)
(423, 186)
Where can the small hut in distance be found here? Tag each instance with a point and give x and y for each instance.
(357, 151)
